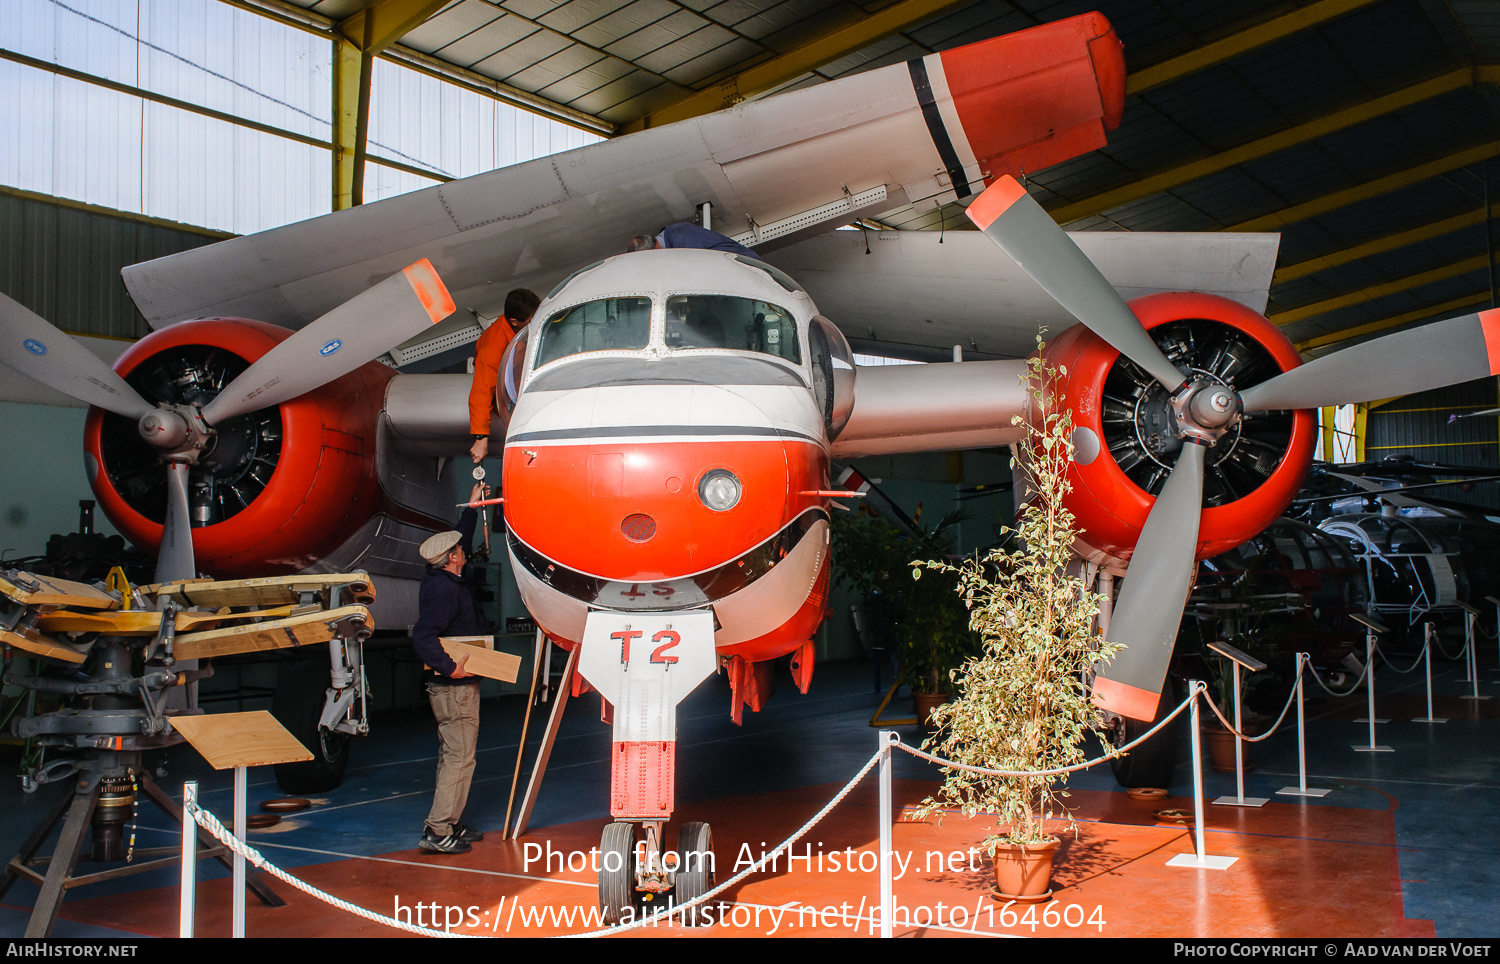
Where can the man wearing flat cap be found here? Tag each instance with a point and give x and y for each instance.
(446, 607)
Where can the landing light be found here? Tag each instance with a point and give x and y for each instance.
(719, 490)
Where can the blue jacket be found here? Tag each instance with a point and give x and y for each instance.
(685, 235)
(446, 607)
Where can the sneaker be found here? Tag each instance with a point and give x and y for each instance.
(451, 844)
(467, 834)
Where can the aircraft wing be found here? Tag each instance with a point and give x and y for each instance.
(920, 292)
(782, 168)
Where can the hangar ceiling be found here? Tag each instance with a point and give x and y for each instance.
(1363, 130)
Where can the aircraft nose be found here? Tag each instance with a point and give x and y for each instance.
(707, 480)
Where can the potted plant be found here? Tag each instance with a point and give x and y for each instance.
(1024, 702)
(928, 620)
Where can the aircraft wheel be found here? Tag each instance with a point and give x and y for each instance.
(695, 871)
(298, 705)
(1153, 763)
(617, 873)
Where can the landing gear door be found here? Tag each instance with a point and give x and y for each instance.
(647, 663)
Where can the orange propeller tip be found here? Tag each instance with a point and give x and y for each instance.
(995, 201)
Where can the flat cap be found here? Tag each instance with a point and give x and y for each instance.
(436, 548)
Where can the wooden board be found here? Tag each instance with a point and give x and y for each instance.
(264, 591)
(144, 622)
(304, 630)
(483, 660)
(228, 740)
(56, 592)
(34, 642)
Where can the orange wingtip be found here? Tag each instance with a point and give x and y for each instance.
(430, 290)
(995, 201)
(1126, 700)
(1489, 324)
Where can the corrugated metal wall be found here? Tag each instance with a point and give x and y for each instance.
(64, 264)
(1418, 425)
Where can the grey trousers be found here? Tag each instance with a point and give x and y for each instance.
(457, 712)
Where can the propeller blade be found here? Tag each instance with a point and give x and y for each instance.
(1457, 350)
(174, 560)
(38, 350)
(350, 335)
(1149, 610)
(1013, 220)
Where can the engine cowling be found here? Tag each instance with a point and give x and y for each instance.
(277, 489)
(1124, 446)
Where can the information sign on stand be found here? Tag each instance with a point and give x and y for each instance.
(240, 740)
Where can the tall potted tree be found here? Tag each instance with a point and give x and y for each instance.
(1024, 703)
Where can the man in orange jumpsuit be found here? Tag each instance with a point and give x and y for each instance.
(520, 305)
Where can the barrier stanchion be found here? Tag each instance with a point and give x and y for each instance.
(1496, 601)
(1238, 659)
(185, 908)
(1427, 631)
(1200, 859)
(887, 737)
(1470, 647)
(240, 785)
(1372, 627)
(1301, 789)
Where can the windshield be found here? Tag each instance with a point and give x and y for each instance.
(726, 321)
(609, 324)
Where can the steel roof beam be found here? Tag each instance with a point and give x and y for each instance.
(357, 39)
(796, 62)
(1370, 189)
(1390, 242)
(1232, 46)
(1381, 290)
(1459, 79)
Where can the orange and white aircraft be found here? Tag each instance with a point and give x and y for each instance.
(672, 417)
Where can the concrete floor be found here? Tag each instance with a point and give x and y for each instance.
(1405, 845)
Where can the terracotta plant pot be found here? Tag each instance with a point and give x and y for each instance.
(1221, 749)
(1024, 875)
(926, 703)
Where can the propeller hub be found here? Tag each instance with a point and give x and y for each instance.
(177, 431)
(1204, 410)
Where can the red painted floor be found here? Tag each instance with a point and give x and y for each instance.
(1303, 871)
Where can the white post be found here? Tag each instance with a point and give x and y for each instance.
(240, 783)
(1200, 859)
(887, 908)
(1239, 799)
(1471, 646)
(1301, 789)
(189, 861)
(1370, 697)
(1427, 659)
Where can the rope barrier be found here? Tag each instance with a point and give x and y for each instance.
(1364, 671)
(1116, 752)
(211, 823)
(1392, 666)
(1291, 698)
(1437, 640)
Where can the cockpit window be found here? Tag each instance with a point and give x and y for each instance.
(782, 278)
(725, 321)
(609, 324)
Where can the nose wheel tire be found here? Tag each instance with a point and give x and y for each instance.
(617, 901)
(695, 871)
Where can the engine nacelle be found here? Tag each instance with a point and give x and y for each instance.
(276, 489)
(1123, 440)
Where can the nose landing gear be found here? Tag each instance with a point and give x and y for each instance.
(637, 877)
